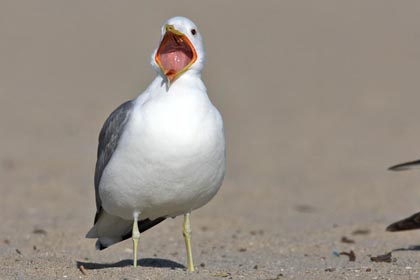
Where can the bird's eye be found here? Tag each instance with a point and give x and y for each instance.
(193, 32)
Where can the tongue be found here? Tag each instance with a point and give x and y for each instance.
(173, 62)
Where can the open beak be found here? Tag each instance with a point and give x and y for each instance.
(175, 54)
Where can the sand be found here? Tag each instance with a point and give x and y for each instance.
(318, 98)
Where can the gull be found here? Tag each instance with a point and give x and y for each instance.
(161, 154)
(412, 222)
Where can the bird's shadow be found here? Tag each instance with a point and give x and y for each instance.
(409, 248)
(146, 262)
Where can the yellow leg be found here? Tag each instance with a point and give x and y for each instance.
(136, 237)
(187, 236)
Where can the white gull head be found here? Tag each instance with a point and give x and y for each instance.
(180, 49)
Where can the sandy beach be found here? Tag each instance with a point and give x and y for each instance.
(319, 98)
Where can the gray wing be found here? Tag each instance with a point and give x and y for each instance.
(108, 141)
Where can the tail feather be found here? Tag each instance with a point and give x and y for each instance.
(406, 166)
(412, 222)
(111, 229)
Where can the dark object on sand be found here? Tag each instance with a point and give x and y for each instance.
(344, 239)
(384, 258)
(82, 269)
(361, 232)
(39, 231)
(351, 255)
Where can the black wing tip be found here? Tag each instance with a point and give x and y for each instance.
(147, 224)
(144, 225)
(398, 227)
(404, 166)
(392, 227)
(410, 223)
(399, 167)
(99, 246)
(393, 168)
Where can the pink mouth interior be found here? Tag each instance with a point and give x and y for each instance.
(174, 54)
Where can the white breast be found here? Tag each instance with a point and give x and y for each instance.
(170, 158)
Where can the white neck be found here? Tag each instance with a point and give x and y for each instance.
(188, 81)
